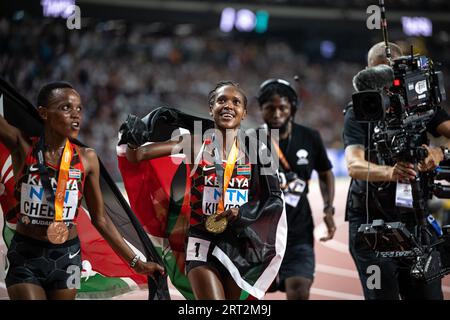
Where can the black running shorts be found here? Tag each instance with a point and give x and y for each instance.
(51, 266)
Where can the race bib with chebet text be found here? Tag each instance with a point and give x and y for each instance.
(33, 202)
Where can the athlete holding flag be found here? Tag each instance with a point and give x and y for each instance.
(52, 174)
(235, 207)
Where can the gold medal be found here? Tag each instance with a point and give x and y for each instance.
(57, 232)
(216, 226)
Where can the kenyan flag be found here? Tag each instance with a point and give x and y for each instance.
(158, 192)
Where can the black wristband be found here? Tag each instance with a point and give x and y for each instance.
(329, 207)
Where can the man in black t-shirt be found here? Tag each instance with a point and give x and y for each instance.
(300, 151)
(396, 281)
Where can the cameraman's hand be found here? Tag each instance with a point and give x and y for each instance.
(402, 171)
(432, 161)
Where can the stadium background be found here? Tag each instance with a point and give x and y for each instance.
(132, 56)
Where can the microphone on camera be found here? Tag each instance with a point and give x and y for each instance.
(373, 78)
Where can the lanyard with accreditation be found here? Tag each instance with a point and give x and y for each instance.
(291, 184)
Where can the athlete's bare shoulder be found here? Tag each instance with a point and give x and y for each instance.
(89, 158)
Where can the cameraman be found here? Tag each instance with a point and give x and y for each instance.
(396, 281)
(300, 151)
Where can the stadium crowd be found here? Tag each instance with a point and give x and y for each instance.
(121, 68)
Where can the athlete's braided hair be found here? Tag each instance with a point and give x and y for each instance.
(220, 84)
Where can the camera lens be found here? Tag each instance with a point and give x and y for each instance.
(368, 105)
(371, 106)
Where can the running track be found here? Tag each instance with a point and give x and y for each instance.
(336, 276)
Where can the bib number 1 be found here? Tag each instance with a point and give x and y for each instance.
(197, 249)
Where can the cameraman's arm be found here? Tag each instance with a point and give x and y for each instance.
(355, 139)
(438, 126)
(444, 130)
(358, 167)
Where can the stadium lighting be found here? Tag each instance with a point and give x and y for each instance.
(417, 26)
(57, 8)
(262, 21)
(244, 20)
(227, 19)
(327, 49)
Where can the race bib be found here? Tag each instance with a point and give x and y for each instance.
(33, 203)
(197, 249)
(234, 198)
(403, 195)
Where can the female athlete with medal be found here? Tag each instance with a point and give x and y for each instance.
(52, 175)
(228, 194)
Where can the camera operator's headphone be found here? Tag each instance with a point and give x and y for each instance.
(281, 83)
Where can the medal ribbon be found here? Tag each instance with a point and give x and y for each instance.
(63, 177)
(55, 200)
(231, 161)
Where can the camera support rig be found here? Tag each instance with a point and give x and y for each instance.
(413, 101)
(394, 240)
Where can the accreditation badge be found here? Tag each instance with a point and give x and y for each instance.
(294, 191)
(403, 195)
